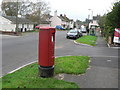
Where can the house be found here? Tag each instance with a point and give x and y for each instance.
(23, 23)
(61, 20)
(8, 24)
(78, 24)
(71, 23)
(44, 24)
(94, 22)
(44, 21)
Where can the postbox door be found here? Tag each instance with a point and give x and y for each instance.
(52, 45)
(43, 48)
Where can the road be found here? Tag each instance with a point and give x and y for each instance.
(18, 51)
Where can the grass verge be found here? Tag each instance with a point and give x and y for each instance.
(27, 77)
(90, 40)
(71, 64)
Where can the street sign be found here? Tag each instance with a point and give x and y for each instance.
(117, 35)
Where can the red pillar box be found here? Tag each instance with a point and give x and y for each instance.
(46, 52)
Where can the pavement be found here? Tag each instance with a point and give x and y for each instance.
(102, 72)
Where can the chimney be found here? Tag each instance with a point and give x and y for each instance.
(55, 13)
(64, 15)
(60, 15)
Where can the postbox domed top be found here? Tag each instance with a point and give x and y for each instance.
(46, 28)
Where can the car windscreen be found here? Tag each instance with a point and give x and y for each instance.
(84, 29)
(72, 31)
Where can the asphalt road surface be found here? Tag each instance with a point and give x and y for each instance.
(103, 73)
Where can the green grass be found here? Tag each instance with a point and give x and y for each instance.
(90, 40)
(71, 64)
(27, 77)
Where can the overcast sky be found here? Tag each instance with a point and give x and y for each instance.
(78, 9)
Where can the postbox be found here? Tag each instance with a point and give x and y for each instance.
(46, 51)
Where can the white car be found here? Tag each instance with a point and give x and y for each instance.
(83, 29)
(74, 34)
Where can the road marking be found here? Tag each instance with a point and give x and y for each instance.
(27, 65)
(22, 67)
(82, 44)
(109, 60)
(63, 56)
(58, 47)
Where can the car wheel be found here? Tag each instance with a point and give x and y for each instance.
(67, 37)
(75, 38)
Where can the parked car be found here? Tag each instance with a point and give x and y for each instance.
(59, 27)
(74, 34)
(83, 29)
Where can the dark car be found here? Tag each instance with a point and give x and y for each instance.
(74, 34)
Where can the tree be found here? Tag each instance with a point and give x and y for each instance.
(10, 7)
(39, 9)
(113, 17)
(34, 11)
(25, 7)
(101, 21)
(111, 20)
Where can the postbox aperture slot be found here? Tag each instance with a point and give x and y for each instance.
(53, 37)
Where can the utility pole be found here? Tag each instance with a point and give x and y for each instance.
(17, 16)
(88, 19)
(39, 12)
(91, 13)
(39, 15)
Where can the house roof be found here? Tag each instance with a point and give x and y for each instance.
(46, 17)
(61, 18)
(64, 18)
(20, 20)
(45, 22)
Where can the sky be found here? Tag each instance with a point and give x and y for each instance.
(79, 9)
